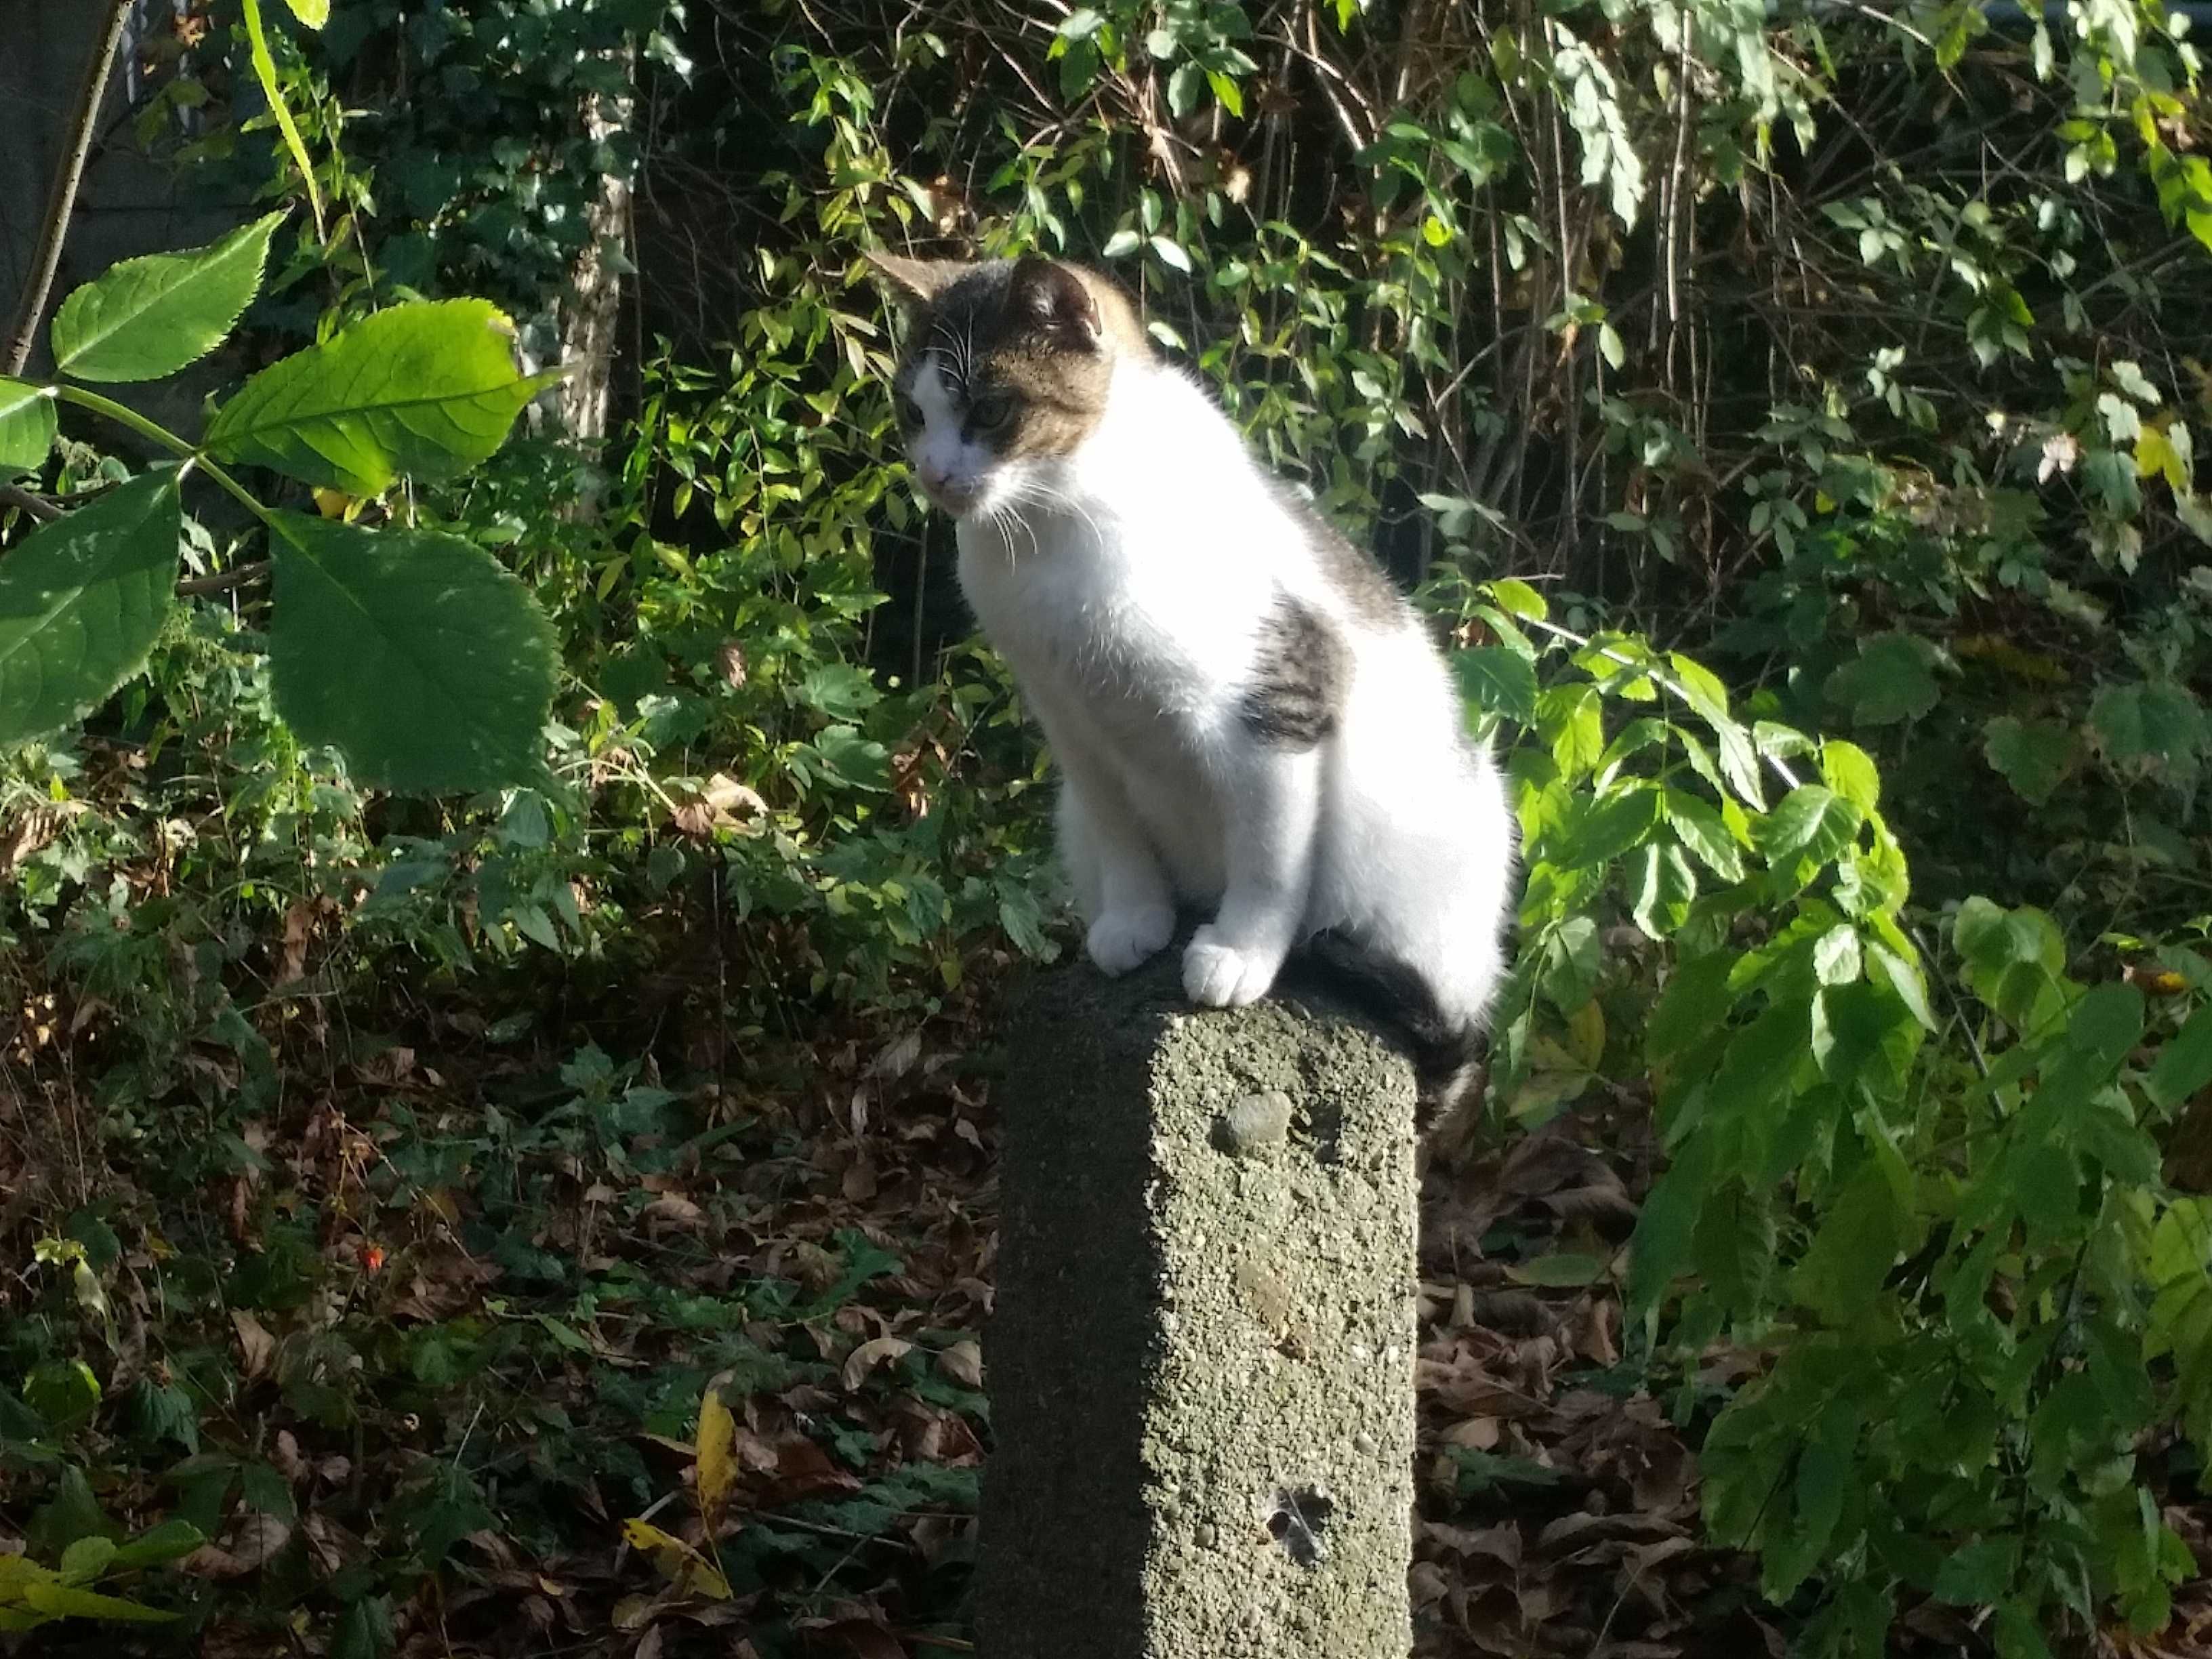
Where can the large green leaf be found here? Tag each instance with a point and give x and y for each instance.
(27, 428)
(416, 653)
(81, 601)
(147, 317)
(427, 389)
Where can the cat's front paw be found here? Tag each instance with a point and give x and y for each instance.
(1120, 939)
(1219, 975)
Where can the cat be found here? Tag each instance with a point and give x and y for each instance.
(1249, 720)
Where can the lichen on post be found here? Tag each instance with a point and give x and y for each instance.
(1201, 1355)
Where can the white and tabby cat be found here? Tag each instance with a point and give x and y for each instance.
(1251, 722)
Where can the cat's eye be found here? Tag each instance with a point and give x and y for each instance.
(909, 412)
(991, 411)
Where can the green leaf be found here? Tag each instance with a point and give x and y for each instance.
(27, 427)
(264, 70)
(1849, 771)
(1607, 830)
(1563, 1270)
(2185, 1064)
(172, 1540)
(1812, 819)
(65, 1602)
(1572, 717)
(313, 13)
(1858, 1243)
(1667, 1225)
(1664, 894)
(1978, 1574)
(430, 666)
(364, 1630)
(2032, 755)
(148, 318)
(82, 600)
(86, 1559)
(1889, 681)
(2156, 720)
(1702, 829)
(839, 689)
(427, 389)
(1498, 680)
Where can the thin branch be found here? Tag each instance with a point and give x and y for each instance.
(60, 200)
(35, 507)
(223, 580)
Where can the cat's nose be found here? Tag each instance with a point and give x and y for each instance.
(934, 478)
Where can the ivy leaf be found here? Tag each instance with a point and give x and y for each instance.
(430, 666)
(2156, 720)
(27, 426)
(2032, 755)
(1888, 683)
(148, 318)
(1498, 680)
(82, 600)
(427, 389)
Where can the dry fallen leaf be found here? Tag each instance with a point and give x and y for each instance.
(964, 1364)
(255, 1346)
(869, 1355)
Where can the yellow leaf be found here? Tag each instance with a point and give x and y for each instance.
(717, 1458)
(683, 1567)
(1586, 1034)
(334, 503)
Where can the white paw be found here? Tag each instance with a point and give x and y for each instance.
(1120, 940)
(1222, 976)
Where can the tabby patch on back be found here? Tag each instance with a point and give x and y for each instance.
(1249, 722)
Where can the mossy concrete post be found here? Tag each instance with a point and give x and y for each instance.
(1201, 1355)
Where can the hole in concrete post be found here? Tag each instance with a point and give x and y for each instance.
(1297, 1522)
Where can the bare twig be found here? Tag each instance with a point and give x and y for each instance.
(60, 200)
(37, 506)
(223, 581)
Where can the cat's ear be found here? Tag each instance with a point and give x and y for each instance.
(1055, 297)
(916, 282)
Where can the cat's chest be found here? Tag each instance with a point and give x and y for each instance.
(1151, 625)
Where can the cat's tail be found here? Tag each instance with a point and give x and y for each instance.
(1446, 1050)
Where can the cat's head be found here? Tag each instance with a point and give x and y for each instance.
(1006, 373)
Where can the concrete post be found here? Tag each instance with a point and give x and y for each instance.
(1201, 1359)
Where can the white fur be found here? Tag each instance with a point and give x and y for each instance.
(1128, 585)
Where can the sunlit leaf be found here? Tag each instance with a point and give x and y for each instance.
(27, 427)
(148, 318)
(427, 390)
